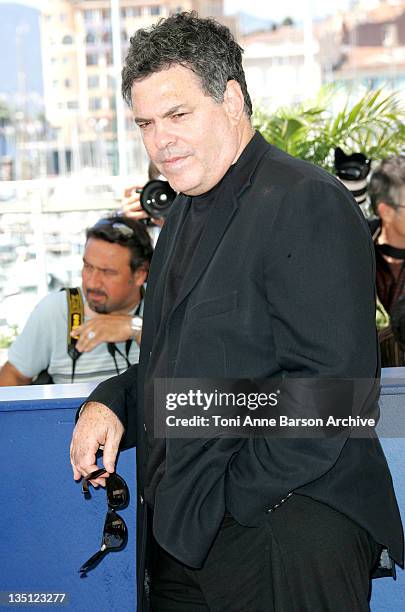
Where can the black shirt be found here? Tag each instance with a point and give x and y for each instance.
(195, 219)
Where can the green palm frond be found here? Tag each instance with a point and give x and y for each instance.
(374, 125)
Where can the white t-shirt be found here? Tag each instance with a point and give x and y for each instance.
(43, 345)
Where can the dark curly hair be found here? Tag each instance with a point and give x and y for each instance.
(203, 45)
(386, 182)
(135, 238)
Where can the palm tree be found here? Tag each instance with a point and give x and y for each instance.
(374, 125)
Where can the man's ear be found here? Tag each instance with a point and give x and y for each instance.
(385, 212)
(140, 276)
(234, 101)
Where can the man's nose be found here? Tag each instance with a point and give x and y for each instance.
(163, 136)
(94, 280)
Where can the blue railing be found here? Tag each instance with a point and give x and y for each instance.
(49, 530)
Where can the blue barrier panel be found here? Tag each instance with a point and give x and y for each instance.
(389, 596)
(49, 530)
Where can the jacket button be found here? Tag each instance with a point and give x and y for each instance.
(141, 500)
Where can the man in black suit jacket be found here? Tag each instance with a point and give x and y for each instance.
(264, 269)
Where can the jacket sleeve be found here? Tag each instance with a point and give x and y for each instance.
(119, 394)
(319, 284)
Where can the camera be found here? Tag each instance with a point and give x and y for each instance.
(352, 170)
(156, 198)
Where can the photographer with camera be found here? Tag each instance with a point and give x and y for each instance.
(387, 196)
(150, 203)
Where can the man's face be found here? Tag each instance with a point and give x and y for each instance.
(393, 219)
(108, 282)
(189, 137)
(398, 222)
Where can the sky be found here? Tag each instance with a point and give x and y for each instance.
(12, 17)
(276, 10)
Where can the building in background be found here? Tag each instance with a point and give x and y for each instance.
(281, 65)
(83, 122)
(360, 49)
(365, 48)
(80, 79)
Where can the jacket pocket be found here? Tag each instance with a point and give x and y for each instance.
(214, 306)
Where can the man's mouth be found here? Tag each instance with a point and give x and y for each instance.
(172, 162)
(95, 295)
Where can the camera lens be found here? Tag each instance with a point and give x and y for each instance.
(156, 198)
(352, 170)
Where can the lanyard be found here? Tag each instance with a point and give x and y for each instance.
(112, 349)
(73, 308)
(75, 318)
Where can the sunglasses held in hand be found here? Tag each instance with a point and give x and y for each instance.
(115, 534)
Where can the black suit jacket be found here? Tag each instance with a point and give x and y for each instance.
(281, 284)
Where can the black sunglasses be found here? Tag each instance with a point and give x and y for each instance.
(115, 533)
(115, 229)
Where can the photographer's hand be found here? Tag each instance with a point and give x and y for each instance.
(104, 328)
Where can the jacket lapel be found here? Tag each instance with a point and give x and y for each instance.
(222, 211)
(172, 226)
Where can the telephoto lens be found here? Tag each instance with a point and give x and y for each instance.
(352, 170)
(156, 198)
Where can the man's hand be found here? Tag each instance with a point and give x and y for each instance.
(104, 328)
(97, 426)
(131, 206)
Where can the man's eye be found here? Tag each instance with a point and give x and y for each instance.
(143, 126)
(178, 115)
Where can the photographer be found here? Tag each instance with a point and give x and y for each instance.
(387, 196)
(108, 308)
(132, 207)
